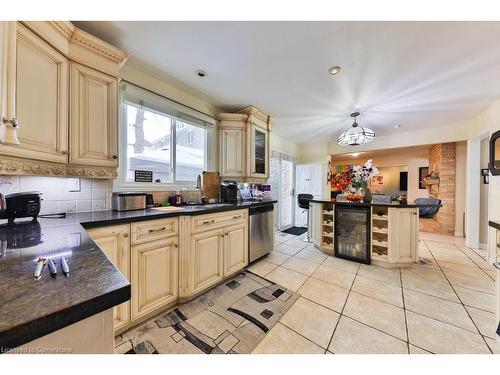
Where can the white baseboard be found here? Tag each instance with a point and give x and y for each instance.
(459, 234)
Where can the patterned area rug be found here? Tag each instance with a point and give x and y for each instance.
(231, 318)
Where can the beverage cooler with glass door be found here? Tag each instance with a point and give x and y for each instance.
(352, 232)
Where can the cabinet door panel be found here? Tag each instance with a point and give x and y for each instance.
(259, 152)
(403, 237)
(232, 152)
(235, 249)
(94, 127)
(154, 276)
(41, 100)
(115, 243)
(207, 257)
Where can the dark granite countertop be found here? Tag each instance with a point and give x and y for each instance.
(395, 205)
(30, 309)
(494, 224)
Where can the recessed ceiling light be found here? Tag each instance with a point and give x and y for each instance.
(334, 70)
(397, 126)
(201, 73)
(355, 154)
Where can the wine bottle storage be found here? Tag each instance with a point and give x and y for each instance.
(327, 227)
(380, 233)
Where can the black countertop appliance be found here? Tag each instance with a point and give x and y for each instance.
(229, 191)
(18, 205)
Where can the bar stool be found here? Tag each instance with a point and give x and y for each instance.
(303, 202)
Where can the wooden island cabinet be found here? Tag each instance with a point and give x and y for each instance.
(392, 229)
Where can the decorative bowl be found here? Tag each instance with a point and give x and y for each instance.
(353, 197)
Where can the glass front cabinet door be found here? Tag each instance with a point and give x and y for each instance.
(259, 158)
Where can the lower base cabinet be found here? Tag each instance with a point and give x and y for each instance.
(114, 241)
(403, 235)
(207, 249)
(154, 278)
(235, 249)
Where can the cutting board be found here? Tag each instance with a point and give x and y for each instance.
(210, 184)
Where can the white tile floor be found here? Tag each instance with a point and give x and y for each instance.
(443, 306)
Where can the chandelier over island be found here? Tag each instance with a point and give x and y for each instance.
(356, 135)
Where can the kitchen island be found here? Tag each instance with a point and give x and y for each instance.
(184, 251)
(382, 234)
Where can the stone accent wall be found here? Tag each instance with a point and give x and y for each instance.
(442, 160)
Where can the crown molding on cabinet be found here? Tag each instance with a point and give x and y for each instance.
(27, 167)
(80, 46)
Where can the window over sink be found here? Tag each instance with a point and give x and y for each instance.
(164, 138)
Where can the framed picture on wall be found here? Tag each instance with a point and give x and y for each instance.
(377, 181)
(422, 172)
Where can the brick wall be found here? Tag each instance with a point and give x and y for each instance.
(442, 160)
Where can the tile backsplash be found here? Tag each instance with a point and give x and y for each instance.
(94, 194)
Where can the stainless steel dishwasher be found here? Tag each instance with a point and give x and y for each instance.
(261, 236)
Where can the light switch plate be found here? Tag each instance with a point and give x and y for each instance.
(73, 184)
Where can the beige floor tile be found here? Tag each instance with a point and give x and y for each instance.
(262, 268)
(438, 308)
(285, 277)
(282, 340)
(384, 292)
(276, 257)
(341, 264)
(451, 256)
(334, 276)
(284, 248)
(326, 294)
(476, 280)
(311, 320)
(442, 338)
(493, 344)
(352, 337)
(297, 242)
(430, 282)
(480, 300)
(312, 256)
(377, 314)
(416, 350)
(485, 321)
(387, 275)
(300, 265)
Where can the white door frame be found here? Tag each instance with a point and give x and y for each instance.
(292, 197)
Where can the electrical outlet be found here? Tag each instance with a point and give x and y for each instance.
(74, 184)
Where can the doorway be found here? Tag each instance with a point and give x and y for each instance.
(286, 206)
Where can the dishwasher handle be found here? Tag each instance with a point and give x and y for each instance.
(260, 209)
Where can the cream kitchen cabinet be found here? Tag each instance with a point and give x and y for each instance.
(232, 152)
(403, 235)
(235, 249)
(213, 247)
(59, 93)
(154, 276)
(94, 111)
(244, 145)
(207, 250)
(114, 241)
(41, 100)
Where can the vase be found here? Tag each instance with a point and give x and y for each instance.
(367, 196)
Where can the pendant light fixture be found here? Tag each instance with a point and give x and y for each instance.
(356, 135)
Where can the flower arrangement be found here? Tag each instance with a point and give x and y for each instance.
(355, 179)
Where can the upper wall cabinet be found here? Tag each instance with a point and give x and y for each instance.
(61, 98)
(41, 100)
(94, 125)
(244, 145)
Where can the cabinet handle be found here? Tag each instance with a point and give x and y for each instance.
(209, 221)
(115, 157)
(65, 152)
(125, 235)
(237, 217)
(157, 230)
(496, 265)
(15, 123)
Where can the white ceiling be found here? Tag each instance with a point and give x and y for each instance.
(417, 74)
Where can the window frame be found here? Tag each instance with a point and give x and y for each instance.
(120, 183)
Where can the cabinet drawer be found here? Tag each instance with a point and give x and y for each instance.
(152, 230)
(211, 221)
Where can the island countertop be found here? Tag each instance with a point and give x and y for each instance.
(362, 204)
(30, 309)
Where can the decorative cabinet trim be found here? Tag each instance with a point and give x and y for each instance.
(26, 167)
